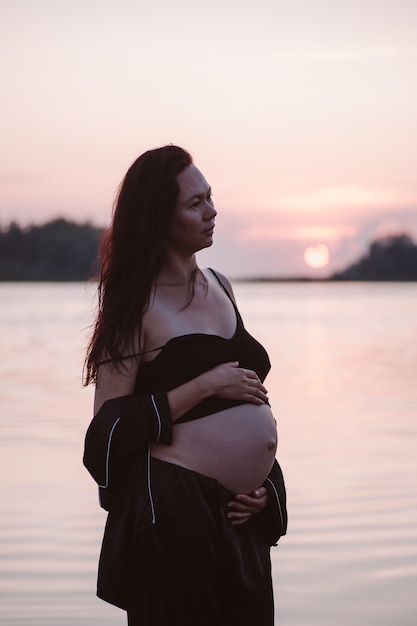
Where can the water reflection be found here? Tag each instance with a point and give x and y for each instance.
(343, 388)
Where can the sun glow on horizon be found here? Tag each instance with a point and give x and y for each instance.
(317, 256)
(307, 137)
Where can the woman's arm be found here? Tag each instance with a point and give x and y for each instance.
(227, 380)
(124, 424)
(112, 383)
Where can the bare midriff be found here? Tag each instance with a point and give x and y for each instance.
(236, 446)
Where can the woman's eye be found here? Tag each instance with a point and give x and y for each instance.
(197, 201)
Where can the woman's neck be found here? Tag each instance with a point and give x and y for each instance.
(179, 273)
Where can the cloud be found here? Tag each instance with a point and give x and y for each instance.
(273, 244)
(20, 178)
(305, 233)
(323, 56)
(348, 197)
(393, 53)
(315, 55)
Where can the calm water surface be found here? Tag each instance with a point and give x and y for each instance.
(344, 391)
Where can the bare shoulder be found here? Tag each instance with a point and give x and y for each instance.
(223, 279)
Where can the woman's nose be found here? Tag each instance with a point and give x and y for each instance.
(211, 212)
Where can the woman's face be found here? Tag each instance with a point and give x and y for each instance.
(192, 222)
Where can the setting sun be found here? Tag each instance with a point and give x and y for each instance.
(317, 256)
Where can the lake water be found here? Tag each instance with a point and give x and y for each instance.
(344, 391)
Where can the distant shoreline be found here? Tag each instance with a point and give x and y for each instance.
(306, 279)
(247, 279)
(64, 251)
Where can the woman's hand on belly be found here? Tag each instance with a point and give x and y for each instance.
(235, 446)
(245, 505)
(231, 382)
(228, 381)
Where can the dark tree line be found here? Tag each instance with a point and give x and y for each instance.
(391, 258)
(63, 250)
(58, 250)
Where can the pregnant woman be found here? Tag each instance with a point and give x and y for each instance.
(183, 440)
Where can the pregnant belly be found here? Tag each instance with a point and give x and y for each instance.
(236, 446)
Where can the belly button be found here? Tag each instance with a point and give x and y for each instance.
(272, 444)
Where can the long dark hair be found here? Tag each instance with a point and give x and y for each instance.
(132, 252)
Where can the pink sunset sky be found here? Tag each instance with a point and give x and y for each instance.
(302, 115)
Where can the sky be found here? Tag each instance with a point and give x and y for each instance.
(302, 115)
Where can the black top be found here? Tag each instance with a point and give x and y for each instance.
(187, 356)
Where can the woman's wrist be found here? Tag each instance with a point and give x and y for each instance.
(204, 388)
(187, 396)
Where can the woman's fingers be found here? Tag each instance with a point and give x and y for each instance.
(254, 382)
(255, 396)
(246, 505)
(258, 393)
(238, 518)
(253, 379)
(239, 383)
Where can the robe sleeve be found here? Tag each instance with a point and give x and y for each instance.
(273, 520)
(122, 428)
